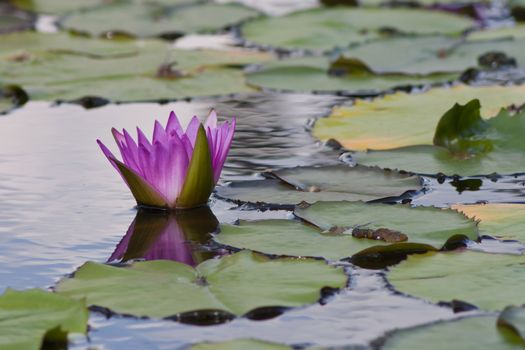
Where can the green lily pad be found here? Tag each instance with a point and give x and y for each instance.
(496, 147)
(56, 6)
(61, 7)
(312, 74)
(501, 220)
(333, 237)
(468, 333)
(512, 318)
(240, 344)
(382, 123)
(29, 317)
(146, 20)
(120, 70)
(326, 28)
(430, 55)
(235, 284)
(36, 44)
(309, 184)
(516, 32)
(489, 281)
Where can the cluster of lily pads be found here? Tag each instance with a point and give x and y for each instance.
(341, 215)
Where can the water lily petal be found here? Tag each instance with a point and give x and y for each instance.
(192, 129)
(108, 154)
(159, 134)
(173, 125)
(143, 140)
(225, 139)
(211, 121)
(132, 152)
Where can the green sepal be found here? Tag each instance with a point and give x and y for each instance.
(143, 192)
(199, 179)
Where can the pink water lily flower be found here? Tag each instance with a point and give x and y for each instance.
(177, 169)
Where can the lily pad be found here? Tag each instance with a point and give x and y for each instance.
(513, 319)
(234, 284)
(430, 55)
(33, 316)
(489, 281)
(463, 334)
(503, 221)
(336, 222)
(516, 32)
(36, 44)
(240, 344)
(309, 184)
(57, 6)
(496, 147)
(119, 70)
(312, 74)
(382, 123)
(326, 28)
(146, 19)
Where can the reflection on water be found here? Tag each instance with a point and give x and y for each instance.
(469, 190)
(155, 235)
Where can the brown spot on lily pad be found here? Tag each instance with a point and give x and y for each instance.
(381, 234)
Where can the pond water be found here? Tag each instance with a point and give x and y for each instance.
(62, 205)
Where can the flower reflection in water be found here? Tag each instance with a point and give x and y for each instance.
(155, 235)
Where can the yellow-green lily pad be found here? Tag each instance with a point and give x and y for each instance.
(481, 147)
(381, 123)
(500, 220)
(240, 344)
(235, 284)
